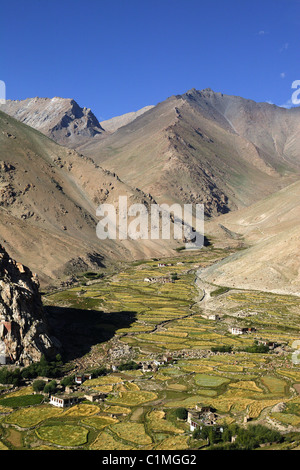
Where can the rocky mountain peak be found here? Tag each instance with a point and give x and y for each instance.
(61, 119)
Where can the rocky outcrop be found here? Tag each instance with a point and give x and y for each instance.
(24, 333)
(61, 119)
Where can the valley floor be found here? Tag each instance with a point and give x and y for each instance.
(181, 335)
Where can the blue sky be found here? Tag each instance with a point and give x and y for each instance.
(117, 56)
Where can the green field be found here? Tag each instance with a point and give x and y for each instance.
(155, 319)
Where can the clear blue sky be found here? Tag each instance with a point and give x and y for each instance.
(117, 56)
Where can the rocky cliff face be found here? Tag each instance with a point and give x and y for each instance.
(24, 332)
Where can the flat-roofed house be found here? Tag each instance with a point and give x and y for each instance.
(236, 331)
(95, 396)
(62, 401)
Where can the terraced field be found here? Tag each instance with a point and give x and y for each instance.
(146, 321)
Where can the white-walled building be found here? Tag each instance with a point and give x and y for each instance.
(63, 401)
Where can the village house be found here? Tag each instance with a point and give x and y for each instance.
(95, 396)
(236, 331)
(270, 344)
(79, 379)
(69, 389)
(214, 316)
(63, 401)
(203, 409)
(241, 331)
(262, 342)
(167, 359)
(201, 416)
(146, 367)
(158, 362)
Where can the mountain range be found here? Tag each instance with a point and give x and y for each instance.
(61, 119)
(239, 158)
(49, 195)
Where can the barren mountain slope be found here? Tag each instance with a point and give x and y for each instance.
(48, 201)
(61, 119)
(273, 130)
(272, 228)
(113, 124)
(205, 147)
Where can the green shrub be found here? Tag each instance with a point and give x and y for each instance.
(227, 349)
(98, 372)
(38, 385)
(245, 438)
(257, 349)
(130, 365)
(68, 380)
(10, 376)
(50, 387)
(181, 413)
(219, 291)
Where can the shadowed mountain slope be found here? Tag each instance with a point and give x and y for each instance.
(48, 201)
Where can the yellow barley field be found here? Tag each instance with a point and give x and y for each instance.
(99, 422)
(173, 443)
(132, 432)
(82, 410)
(158, 423)
(29, 417)
(105, 441)
(246, 385)
(134, 398)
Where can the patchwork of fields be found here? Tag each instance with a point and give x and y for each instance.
(147, 321)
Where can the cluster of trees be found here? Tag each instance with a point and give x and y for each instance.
(181, 413)
(51, 387)
(43, 368)
(8, 376)
(42, 386)
(224, 348)
(244, 438)
(98, 372)
(257, 348)
(129, 365)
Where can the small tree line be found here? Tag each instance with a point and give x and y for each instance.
(234, 437)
